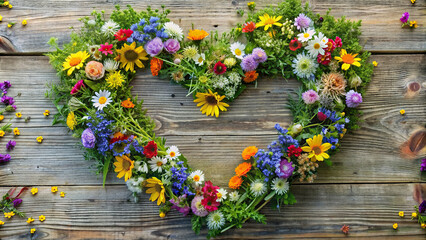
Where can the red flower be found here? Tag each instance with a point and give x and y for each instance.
(77, 87)
(338, 42)
(219, 68)
(331, 45)
(324, 59)
(123, 34)
(294, 151)
(210, 203)
(119, 137)
(209, 189)
(321, 116)
(248, 27)
(295, 44)
(150, 150)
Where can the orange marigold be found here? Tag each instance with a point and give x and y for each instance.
(127, 103)
(235, 182)
(156, 65)
(197, 34)
(243, 169)
(249, 152)
(250, 76)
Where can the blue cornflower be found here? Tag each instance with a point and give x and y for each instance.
(339, 127)
(332, 140)
(162, 34)
(142, 22)
(149, 29)
(280, 129)
(179, 176)
(154, 19)
(134, 27)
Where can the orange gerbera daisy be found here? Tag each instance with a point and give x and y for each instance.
(250, 76)
(235, 182)
(348, 59)
(156, 65)
(243, 169)
(127, 103)
(249, 152)
(196, 34)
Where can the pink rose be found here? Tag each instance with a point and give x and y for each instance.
(95, 70)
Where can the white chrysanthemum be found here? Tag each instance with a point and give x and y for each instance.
(237, 49)
(199, 59)
(316, 46)
(280, 186)
(304, 66)
(173, 30)
(258, 187)
(110, 65)
(173, 152)
(306, 36)
(101, 99)
(215, 220)
(110, 28)
(221, 194)
(197, 176)
(156, 163)
(141, 167)
(93, 48)
(234, 196)
(135, 184)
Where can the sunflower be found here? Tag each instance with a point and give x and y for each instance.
(124, 166)
(348, 59)
(316, 149)
(210, 103)
(196, 34)
(75, 61)
(156, 189)
(268, 21)
(130, 55)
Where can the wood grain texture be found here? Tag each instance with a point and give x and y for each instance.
(50, 18)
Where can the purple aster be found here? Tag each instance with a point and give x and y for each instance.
(422, 207)
(7, 100)
(172, 46)
(423, 165)
(405, 17)
(197, 208)
(16, 202)
(4, 158)
(180, 205)
(10, 145)
(310, 96)
(249, 63)
(7, 84)
(353, 99)
(88, 139)
(285, 169)
(154, 47)
(302, 22)
(259, 55)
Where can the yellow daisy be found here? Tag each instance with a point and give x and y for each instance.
(348, 59)
(156, 189)
(130, 55)
(124, 166)
(71, 120)
(75, 61)
(316, 149)
(268, 21)
(115, 79)
(211, 103)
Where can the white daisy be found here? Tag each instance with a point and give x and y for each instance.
(110, 65)
(316, 46)
(237, 49)
(173, 152)
(141, 166)
(197, 176)
(304, 66)
(93, 48)
(110, 28)
(101, 99)
(221, 194)
(173, 30)
(305, 36)
(199, 59)
(258, 187)
(215, 220)
(135, 184)
(280, 186)
(156, 163)
(323, 38)
(234, 196)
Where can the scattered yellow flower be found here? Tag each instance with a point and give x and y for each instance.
(1, 117)
(6, 3)
(250, 3)
(413, 24)
(414, 215)
(2, 133)
(10, 6)
(413, 1)
(395, 226)
(33, 230)
(54, 189)
(401, 214)
(30, 220)
(342, 114)
(402, 111)
(16, 131)
(9, 214)
(46, 113)
(24, 22)
(1, 222)
(18, 114)
(39, 139)
(375, 63)
(1, 18)
(9, 25)
(62, 194)
(162, 214)
(34, 190)
(42, 218)
(423, 225)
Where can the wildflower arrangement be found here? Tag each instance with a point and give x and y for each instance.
(94, 100)
(406, 22)
(10, 202)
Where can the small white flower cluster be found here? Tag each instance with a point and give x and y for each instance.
(229, 84)
(288, 28)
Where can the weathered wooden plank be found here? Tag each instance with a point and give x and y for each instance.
(97, 213)
(49, 18)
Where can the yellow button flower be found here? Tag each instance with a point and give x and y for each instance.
(2, 133)
(62, 194)
(1, 18)
(413, 24)
(10, 6)
(401, 214)
(9, 25)
(18, 114)
(30, 220)
(24, 22)
(402, 111)
(423, 225)
(162, 214)
(41, 218)
(375, 63)
(34, 190)
(33, 230)
(413, 1)
(54, 189)
(16, 131)
(39, 139)
(9, 214)
(1, 117)
(395, 226)
(46, 113)
(1, 222)
(414, 215)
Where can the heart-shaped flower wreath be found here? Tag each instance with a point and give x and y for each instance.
(94, 100)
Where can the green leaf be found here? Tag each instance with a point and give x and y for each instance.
(106, 169)
(94, 86)
(328, 162)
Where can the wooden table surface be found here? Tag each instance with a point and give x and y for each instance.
(365, 188)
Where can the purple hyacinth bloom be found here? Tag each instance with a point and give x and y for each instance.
(259, 55)
(353, 99)
(302, 22)
(172, 46)
(16, 202)
(88, 139)
(405, 17)
(10, 145)
(154, 47)
(422, 207)
(423, 165)
(197, 208)
(4, 158)
(285, 169)
(249, 63)
(310, 96)
(7, 100)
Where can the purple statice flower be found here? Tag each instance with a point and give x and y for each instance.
(310, 97)
(16, 202)
(197, 208)
(7, 100)
(154, 47)
(10, 145)
(249, 63)
(422, 207)
(4, 158)
(180, 205)
(285, 169)
(302, 22)
(259, 55)
(405, 17)
(423, 165)
(172, 46)
(353, 99)
(88, 139)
